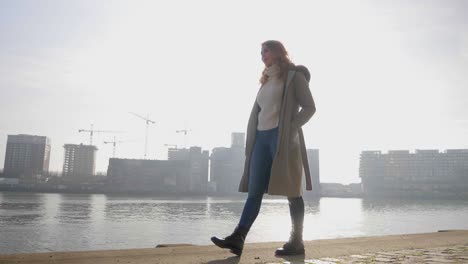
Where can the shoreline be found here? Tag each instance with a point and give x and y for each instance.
(231, 195)
(253, 252)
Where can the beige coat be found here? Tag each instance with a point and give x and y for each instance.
(291, 157)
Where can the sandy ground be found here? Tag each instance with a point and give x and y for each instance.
(253, 252)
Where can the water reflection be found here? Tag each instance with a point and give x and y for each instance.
(24, 219)
(21, 209)
(391, 204)
(334, 217)
(120, 211)
(19, 206)
(219, 208)
(170, 209)
(222, 210)
(312, 206)
(20, 196)
(63, 222)
(402, 216)
(74, 208)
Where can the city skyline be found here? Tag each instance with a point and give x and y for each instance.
(385, 75)
(237, 140)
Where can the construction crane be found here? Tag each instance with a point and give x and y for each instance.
(148, 121)
(171, 145)
(182, 131)
(185, 131)
(114, 143)
(92, 131)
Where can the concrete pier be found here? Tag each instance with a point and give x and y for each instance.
(443, 246)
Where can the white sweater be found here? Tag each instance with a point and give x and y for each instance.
(269, 99)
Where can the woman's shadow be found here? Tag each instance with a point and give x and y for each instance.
(297, 259)
(230, 260)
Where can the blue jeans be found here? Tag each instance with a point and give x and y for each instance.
(259, 174)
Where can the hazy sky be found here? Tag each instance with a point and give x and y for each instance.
(385, 74)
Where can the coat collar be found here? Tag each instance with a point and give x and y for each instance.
(290, 77)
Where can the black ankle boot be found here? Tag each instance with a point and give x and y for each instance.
(234, 242)
(295, 245)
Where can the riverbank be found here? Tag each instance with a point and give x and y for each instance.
(322, 249)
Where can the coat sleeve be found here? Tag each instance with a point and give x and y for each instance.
(251, 128)
(304, 99)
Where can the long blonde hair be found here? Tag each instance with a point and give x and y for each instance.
(283, 60)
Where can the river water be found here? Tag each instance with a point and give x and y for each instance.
(39, 222)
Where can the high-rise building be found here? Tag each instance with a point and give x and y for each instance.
(423, 173)
(198, 163)
(222, 174)
(154, 176)
(178, 154)
(186, 171)
(26, 156)
(237, 139)
(79, 161)
(227, 165)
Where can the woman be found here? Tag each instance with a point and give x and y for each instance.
(275, 148)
